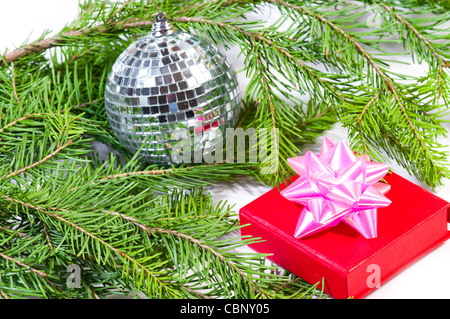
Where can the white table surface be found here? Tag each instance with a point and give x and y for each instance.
(427, 278)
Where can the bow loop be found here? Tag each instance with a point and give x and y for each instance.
(337, 186)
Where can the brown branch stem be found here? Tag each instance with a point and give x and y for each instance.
(22, 119)
(367, 106)
(20, 234)
(49, 156)
(59, 39)
(153, 172)
(39, 273)
(442, 62)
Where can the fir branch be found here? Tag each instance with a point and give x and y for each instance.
(66, 37)
(367, 106)
(442, 62)
(266, 88)
(21, 119)
(162, 286)
(37, 46)
(37, 272)
(199, 244)
(49, 156)
(269, 95)
(20, 234)
(152, 172)
(87, 103)
(153, 231)
(385, 85)
(209, 5)
(252, 36)
(14, 85)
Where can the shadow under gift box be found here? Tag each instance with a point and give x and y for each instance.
(411, 226)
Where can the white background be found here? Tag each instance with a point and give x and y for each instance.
(427, 278)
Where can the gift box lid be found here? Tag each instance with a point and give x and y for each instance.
(414, 223)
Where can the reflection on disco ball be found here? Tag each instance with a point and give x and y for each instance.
(169, 80)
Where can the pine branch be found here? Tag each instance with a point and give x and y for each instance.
(58, 149)
(111, 25)
(163, 287)
(259, 37)
(386, 88)
(66, 37)
(194, 257)
(442, 63)
(37, 272)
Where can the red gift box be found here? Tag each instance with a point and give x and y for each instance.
(349, 264)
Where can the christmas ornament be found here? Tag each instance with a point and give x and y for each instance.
(167, 81)
(337, 186)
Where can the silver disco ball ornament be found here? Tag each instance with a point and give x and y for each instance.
(169, 82)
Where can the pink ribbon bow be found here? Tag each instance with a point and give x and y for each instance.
(337, 186)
